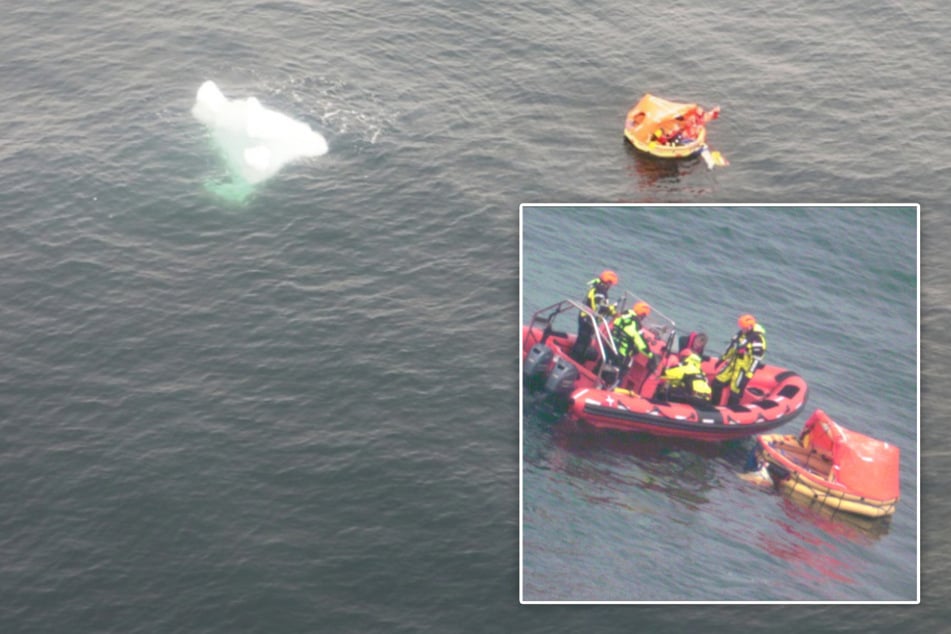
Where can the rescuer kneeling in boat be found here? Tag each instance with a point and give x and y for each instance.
(628, 339)
(686, 382)
(742, 357)
(597, 300)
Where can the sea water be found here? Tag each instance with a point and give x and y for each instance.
(304, 416)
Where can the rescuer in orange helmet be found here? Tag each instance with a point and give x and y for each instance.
(744, 354)
(596, 300)
(626, 332)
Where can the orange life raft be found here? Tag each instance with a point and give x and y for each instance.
(834, 466)
(652, 125)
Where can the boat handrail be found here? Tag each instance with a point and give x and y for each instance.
(602, 328)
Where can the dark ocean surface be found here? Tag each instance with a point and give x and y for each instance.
(300, 412)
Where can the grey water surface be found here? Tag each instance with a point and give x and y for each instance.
(300, 412)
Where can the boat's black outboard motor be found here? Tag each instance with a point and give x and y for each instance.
(561, 382)
(535, 366)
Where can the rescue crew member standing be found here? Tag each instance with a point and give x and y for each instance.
(740, 360)
(597, 300)
(628, 340)
(686, 381)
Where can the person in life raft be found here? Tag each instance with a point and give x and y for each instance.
(744, 354)
(685, 129)
(595, 299)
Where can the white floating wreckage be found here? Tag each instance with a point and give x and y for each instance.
(254, 141)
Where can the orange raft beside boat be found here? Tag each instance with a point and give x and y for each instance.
(831, 465)
(672, 130)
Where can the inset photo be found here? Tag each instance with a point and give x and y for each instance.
(720, 404)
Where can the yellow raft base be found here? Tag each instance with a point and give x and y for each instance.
(811, 479)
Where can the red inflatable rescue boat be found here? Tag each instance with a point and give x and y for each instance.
(592, 394)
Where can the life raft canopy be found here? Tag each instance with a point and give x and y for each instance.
(653, 112)
(863, 465)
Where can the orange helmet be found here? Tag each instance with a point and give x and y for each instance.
(745, 322)
(641, 309)
(608, 277)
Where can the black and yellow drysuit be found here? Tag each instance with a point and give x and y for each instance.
(597, 300)
(738, 363)
(687, 381)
